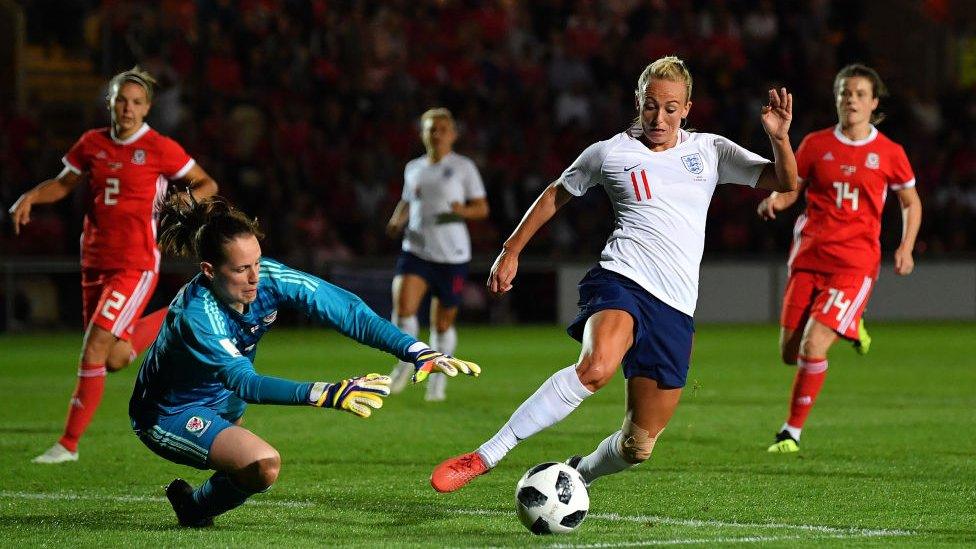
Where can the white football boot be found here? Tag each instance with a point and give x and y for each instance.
(56, 454)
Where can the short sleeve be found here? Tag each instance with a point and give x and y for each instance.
(804, 159)
(902, 176)
(586, 171)
(406, 193)
(77, 160)
(738, 165)
(474, 187)
(175, 163)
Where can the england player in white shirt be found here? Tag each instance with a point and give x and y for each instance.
(441, 191)
(636, 306)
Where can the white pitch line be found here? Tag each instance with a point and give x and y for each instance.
(702, 541)
(68, 496)
(614, 517)
(825, 531)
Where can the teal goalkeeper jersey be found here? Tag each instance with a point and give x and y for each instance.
(204, 353)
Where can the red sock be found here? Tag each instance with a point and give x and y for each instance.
(146, 329)
(809, 379)
(88, 395)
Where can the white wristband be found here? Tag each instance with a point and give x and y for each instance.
(318, 388)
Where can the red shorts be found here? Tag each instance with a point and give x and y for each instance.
(835, 300)
(115, 299)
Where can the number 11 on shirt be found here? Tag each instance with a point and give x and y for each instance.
(647, 188)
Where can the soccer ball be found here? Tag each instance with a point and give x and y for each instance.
(551, 498)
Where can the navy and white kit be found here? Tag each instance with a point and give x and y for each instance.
(650, 264)
(434, 247)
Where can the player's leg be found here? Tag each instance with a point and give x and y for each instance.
(91, 370)
(443, 338)
(409, 288)
(607, 336)
(447, 285)
(835, 312)
(649, 409)
(656, 368)
(202, 438)
(86, 397)
(141, 333)
(134, 334)
(245, 465)
(801, 292)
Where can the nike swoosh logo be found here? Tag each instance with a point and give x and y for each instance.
(632, 167)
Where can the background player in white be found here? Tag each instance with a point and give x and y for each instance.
(636, 307)
(441, 190)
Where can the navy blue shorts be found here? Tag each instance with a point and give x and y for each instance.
(663, 335)
(446, 280)
(186, 437)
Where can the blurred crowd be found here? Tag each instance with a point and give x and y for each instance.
(305, 112)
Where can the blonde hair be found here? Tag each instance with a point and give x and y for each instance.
(437, 112)
(670, 68)
(135, 75)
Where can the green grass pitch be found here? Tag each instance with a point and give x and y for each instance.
(888, 457)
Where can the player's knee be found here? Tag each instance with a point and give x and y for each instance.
(595, 372)
(265, 471)
(119, 358)
(636, 444)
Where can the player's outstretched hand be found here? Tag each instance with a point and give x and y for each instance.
(776, 116)
(766, 209)
(429, 361)
(20, 211)
(358, 395)
(503, 272)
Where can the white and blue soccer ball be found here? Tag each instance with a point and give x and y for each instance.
(551, 498)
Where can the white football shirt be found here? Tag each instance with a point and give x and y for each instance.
(660, 200)
(430, 189)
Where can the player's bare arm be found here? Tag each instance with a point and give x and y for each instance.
(398, 220)
(46, 192)
(776, 118)
(199, 183)
(911, 220)
(541, 211)
(777, 202)
(472, 210)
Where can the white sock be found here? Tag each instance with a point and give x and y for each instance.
(444, 342)
(605, 460)
(407, 324)
(793, 431)
(554, 400)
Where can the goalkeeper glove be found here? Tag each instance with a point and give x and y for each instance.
(427, 361)
(356, 395)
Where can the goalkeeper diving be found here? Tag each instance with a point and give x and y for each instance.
(198, 377)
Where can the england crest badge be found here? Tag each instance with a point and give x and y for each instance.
(693, 163)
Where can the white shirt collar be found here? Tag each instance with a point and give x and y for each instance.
(855, 142)
(132, 138)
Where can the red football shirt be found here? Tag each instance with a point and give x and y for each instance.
(847, 182)
(128, 181)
